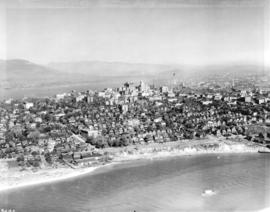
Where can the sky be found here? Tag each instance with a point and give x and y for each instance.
(197, 32)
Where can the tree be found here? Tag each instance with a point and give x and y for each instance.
(9, 136)
(34, 153)
(110, 142)
(124, 141)
(34, 136)
(36, 163)
(261, 135)
(90, 140)
(116, 142)
(48, 157)
(101, 142)
(20, 160)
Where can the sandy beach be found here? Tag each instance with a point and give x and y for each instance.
(12, 178)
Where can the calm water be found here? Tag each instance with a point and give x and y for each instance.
(61, 87)
(242, 182)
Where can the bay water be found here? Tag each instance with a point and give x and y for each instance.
(240, 182)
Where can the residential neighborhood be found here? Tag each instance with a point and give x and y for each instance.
(72, 127)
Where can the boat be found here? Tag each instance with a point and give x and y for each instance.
(208, 192)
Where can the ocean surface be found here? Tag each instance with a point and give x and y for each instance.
(50, 89)
(241, 182)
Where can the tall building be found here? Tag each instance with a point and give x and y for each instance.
(143, 87)
(174, 81)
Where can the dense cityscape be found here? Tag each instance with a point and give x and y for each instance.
(134, 106)
(71, 127)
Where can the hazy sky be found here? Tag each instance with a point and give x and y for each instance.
(198, 32)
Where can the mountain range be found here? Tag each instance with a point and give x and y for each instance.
(22, 74)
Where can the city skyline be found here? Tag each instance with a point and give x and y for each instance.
(134, 105)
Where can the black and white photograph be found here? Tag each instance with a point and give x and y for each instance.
(134, 105)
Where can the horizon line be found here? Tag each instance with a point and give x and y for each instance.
(240, 62)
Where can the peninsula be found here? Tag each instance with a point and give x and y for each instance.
(48, 139)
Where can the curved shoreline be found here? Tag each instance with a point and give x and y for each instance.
(14, 179)
(52, 175)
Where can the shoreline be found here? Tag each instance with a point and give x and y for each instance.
(51, 175)
(14, 179)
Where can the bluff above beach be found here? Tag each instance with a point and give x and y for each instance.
(16, 177)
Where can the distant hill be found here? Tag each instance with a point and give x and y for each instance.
(100, 68)
(118, 72)
(23, 70)
(21, 77)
